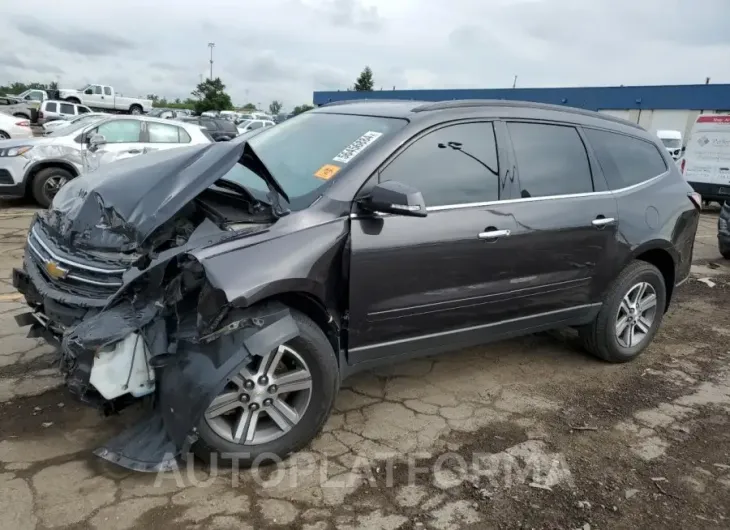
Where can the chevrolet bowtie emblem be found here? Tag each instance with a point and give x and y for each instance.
(54, 271)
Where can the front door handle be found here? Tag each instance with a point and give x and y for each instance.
(134, 151)
(602, 221)
(493, 234)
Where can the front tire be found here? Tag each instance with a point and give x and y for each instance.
(631, 314)
(47, 182)
(254, 420)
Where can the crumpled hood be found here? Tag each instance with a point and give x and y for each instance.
(117, 207)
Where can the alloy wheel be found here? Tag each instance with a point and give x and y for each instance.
(52, 185)
(264, 401)
(636, 315)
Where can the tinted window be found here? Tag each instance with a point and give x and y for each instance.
(551, 160)
(120, 131)
(227, 126)
(107, 91)
(625, 160)
(209, 124)
(83, 110)
(453, 165)
(51, 107)
(162, 134)
(67, 108)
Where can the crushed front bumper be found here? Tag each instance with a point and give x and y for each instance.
(189, 370)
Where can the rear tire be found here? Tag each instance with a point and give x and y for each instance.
(4, 135)
(47, 182)
(135, 109)
(315, 350)
(604, 337)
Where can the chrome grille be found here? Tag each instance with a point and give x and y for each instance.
(70, 275)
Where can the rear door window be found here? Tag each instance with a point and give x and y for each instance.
(551, 160)
(67, 108)
(625, 160)
(160, 133)
(51, 107)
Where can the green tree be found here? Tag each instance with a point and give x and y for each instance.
(364, 83)
(248, 107)
(301, 108)
(211, 95)
(275, 107)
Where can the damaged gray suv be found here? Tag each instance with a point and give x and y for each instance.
(230, 287)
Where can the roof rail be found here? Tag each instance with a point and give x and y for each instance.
(365, 100)
(466, 103)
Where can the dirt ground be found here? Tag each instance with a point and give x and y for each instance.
(528, 433)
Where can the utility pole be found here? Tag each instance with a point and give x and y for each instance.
(211, 45)
(707, 80)
(514, 83)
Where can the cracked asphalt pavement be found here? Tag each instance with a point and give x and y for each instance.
(527, 433)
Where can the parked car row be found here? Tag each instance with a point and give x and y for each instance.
(39, 167)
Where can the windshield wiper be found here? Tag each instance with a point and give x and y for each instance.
(241, 190)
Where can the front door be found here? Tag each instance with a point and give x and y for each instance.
(417, 282)
(123, 140)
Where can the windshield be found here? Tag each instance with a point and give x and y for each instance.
(75, 126)
(305, 154)
(83, 88)
(672, 143)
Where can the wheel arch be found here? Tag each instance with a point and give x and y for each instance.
(33, 170)
(663, 257)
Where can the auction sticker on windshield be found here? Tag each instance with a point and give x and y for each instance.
(326, 172)
(356, 147)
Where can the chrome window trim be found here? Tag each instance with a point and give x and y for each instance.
(546, 198)
(69, 262)
(446, 207)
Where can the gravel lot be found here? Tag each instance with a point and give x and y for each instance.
(528, 433)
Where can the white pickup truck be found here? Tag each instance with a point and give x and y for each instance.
(103, 98)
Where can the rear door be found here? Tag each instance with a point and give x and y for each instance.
(566, 219)
(418, 282)
(67, 110)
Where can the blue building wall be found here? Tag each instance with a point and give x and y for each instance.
(668, 97)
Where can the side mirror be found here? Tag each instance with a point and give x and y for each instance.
(96, 141)
(396, 198)
(684, 148)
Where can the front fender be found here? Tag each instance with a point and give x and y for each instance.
(308, 261)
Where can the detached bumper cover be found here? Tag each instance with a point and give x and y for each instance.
(188, 381)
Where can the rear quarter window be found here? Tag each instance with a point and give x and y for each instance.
(51, 107)
(625, 160)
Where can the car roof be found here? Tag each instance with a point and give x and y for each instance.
(412, 110)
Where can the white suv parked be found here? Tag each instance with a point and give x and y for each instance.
(40, 166)
(60, 110)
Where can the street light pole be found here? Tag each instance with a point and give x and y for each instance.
(211, 45)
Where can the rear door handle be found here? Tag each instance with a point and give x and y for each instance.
(493, 234)
(134, 151)
(603, 221)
